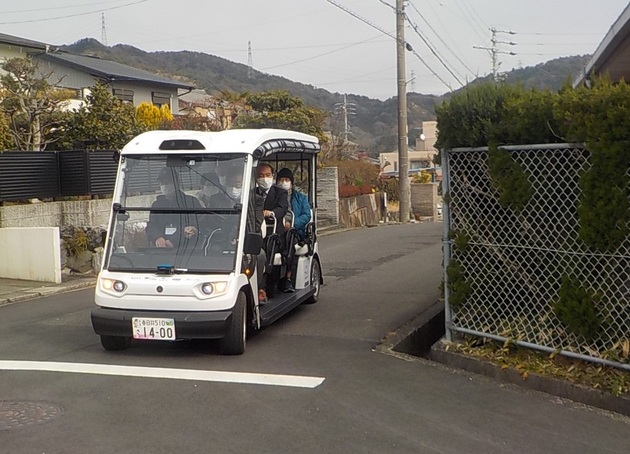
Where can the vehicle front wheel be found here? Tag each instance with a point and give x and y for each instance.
(114, 343)
(316, 275)
(233, 343)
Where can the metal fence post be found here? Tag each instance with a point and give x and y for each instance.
(446, 245)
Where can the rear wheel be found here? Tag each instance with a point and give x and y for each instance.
(316, 275)
(113, 343)
(233, 343)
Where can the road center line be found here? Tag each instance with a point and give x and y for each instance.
(294, 381)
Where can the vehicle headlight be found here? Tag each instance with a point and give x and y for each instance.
(110, 285)
(213, 288)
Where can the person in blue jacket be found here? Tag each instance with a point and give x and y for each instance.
(298, 203)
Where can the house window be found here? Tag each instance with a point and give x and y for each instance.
(415, 165)
(123, 95)
(159, 99)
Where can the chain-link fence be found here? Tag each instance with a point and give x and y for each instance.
(507, 270)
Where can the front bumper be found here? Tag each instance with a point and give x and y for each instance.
(188, 325)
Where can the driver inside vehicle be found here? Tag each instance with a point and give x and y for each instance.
(168, 230)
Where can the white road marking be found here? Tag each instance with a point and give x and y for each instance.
(294, 381)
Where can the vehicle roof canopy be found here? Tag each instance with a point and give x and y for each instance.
(257, 142)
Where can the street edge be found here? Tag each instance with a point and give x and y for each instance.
(409, 342)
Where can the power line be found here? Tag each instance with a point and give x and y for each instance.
(317, 56)
(72, 15)
(441, 40)
(33, 10)
(433, 51)
(406, 44)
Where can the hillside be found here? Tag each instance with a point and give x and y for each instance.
(375, 124)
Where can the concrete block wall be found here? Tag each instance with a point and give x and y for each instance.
(424, 199)
(32, 215)
(57, 214)
(328, 194)
(93, 213)
(31, 253)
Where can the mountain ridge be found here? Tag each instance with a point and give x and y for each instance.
(374, 125)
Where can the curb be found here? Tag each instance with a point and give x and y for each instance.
(553, 386)
(421, 339)
(60, 288)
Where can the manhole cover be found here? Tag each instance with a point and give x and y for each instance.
(17, 415)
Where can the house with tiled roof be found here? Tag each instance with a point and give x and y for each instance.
(80, 72)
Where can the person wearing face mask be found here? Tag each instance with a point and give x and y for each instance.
(211, 186)
(232, 191)
(271, 200)
(172, 229)
(298, 203)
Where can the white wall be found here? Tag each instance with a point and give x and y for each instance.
(30, 253)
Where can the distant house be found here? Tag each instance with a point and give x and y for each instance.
(80, 72)
(419, 158)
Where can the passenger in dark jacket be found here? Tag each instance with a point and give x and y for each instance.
(172, 229)
(270, 200)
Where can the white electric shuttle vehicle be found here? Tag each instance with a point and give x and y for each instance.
(175, 268)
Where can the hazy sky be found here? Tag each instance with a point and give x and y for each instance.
(318, 43)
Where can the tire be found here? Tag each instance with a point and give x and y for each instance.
(233, 343)
(316, 274)
(114, 343)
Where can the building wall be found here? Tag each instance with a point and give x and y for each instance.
(418, 158)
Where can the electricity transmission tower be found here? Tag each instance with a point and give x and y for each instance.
(250, 64)
(495, 51)
(103, 30)
(345, 108)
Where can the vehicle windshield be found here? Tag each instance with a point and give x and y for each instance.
(175, 212)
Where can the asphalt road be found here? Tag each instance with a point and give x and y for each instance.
(363, 401)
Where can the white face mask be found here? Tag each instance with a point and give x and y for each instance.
(167, 189)
(286, 185)
(235, 192)
(265, 183)
(222, 180)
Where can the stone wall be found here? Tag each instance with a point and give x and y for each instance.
(57, 214)
(361, 210)
(328, 195)
(424, 200)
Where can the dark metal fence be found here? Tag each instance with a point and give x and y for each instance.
(52, 174)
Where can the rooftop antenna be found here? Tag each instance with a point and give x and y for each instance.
(103, 30)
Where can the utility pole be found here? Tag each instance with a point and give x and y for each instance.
(403, 157)
(495, 51)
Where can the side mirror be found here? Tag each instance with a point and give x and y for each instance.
(253, 243)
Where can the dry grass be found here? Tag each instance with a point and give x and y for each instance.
(526, 361)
